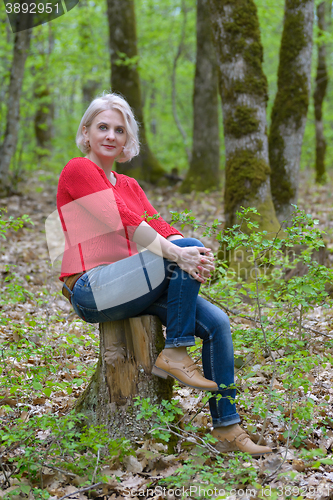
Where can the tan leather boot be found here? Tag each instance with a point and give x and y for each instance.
(237, 440)
(185, 371)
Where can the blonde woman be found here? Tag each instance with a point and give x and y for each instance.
(117, 265)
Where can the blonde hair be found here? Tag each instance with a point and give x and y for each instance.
(103, 103)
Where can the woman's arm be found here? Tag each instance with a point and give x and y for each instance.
(174, 237)
(189, 259)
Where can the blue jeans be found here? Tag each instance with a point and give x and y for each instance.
(135, 286)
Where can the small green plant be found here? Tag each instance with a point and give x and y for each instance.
(163, 417)
(202, 476)
(57, 442)
(12, 223)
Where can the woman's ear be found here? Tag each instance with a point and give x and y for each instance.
(85, 132)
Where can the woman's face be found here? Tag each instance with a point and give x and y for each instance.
(107, 134)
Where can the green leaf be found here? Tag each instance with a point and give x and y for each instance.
(37, 385)
(47, 391)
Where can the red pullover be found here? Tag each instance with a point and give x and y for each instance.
(99, 219)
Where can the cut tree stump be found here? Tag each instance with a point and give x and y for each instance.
(128, 350)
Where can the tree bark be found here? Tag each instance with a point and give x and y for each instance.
(128, 350)
(125, 80)
(90, 83)
(44, 116)
(291, 104)
(243, 88)
(319, 96)
(7, 149)
(203, 172)
(44, 120)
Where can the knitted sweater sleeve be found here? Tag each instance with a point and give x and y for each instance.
(90, 189)
(160, 225)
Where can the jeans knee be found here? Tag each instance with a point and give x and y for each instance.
(220, 327)
(193, 242)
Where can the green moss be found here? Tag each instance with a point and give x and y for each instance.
(321, 177)
(291, 102)
(243, 121)
(242, 36)
(245, 173)
(282, 190)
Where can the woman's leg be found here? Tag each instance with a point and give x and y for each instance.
(182, 295)
(127, 287)
(212, 325)
(120, 290)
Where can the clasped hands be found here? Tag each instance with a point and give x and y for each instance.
(197, 261)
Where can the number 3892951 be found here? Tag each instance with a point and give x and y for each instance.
(31, 8)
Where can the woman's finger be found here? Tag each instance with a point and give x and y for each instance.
(204, 271)
(204, 249)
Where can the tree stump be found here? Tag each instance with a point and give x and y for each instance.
(128, 350)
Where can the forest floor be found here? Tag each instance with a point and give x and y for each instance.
(41, 314)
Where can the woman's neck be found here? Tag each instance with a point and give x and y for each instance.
(104, 165)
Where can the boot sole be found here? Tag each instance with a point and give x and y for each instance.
(163, 374)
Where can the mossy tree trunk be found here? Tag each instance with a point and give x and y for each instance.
(291, 104)
(43, 121)
(90, 80)
(128, 350)
(44, 116)
(319, 96)
(243, 88)
(125, 80)
(8, 146)
(203, 172)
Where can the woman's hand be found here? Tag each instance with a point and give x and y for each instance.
(196, 261)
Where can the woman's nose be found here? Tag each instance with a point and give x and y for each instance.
(110, 135)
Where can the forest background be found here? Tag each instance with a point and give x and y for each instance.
(68, 64)
(70, 57)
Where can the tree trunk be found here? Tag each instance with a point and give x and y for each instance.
(203, 172)
(243, 88)
(291, 104)
(44, 120)
(319, 95)
(7, 149)
(128, 350)
(90, 82)
(125, 80)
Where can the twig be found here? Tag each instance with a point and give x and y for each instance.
(5, 474)
(300, 323)
(43, 461)
(191, 439)
(251, 318)
(83, 490)
(268, 348)
(97, 461)
(288, 438)
(5, 366)
(67, 473)
(264, 425)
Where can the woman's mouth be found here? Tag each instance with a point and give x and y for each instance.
(108, 147)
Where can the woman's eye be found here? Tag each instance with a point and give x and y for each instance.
(120, 130)
(102, 127)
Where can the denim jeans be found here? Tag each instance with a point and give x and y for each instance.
(135, 286)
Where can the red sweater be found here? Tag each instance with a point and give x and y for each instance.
(99, 219)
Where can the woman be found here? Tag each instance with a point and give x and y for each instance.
(117, 265)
